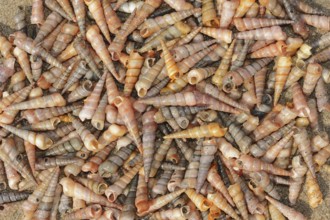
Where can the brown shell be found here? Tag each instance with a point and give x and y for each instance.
(74, 189)
(48, 26)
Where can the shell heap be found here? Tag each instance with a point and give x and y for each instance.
(169, 109)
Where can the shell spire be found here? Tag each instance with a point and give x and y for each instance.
(95, 7)
(287, 211)
(149, 127)
(91, 102)
(207, 156)
(10, 154)
(52, 100)
(37, 139)
(173, 71)
(76, 190)
(127, 114)
(209, 130)
(95, 39)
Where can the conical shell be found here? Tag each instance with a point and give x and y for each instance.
(283, 67)
(302, 140)
(149, 127)
(31, 204)
(134, 66)
(46, 203)
(127, 114)
(228, 9)
(37, 14)
(95, 8)
(238, 198)
(38, 115)
(95, 39)
(153, 25)
(199, 200)
(65, 4)
(244, 24)
(117, 188)
(84, 51)
(10, 155)
(190, 176)
(86, 136)
(91, 102)
(223, 68)
(209, 15)
(209, 130)
(224, 35)
(74, 189)
(39, 140)
(80, 13)
(274, 7)
(49, 25)
(253, 164)
(207, 156)
(287, 211)
(52, 100)
(220, 202)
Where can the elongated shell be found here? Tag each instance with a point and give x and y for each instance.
(313, 74)
(236, 78)
(253, 164)
(216, 181)
(38, 115)
(210, 130)
(244, 24)
(31, 204)
(283, 67)
(207, 156)
(89, 212)
(271, 33)
(114, 190)
(153, 25)
(127, 114)
(277, 49)
(85, 89)
(228, 9)
(287, 211)
(95, 7)
(220, 202)
(303, 142)
(95, 39)
(209, 15)
(173, 71)
(224, 35)
(238, 198)
(134, 66)
(91, 102)
(115, 161)
(68, 31)
(40, 140)
(44, 208)
(190, 176)
(86, 136)
(74, 189)
(37, 14)
(10, 155)
(199, 200)
(50, 23)
(52, 100)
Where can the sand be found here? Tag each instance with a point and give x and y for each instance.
(13, 211)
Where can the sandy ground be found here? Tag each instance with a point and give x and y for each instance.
(13, 211)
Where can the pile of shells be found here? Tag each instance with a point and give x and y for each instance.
(163, 109)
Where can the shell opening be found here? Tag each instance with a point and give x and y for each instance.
(142, 92)
(193, 80)
(117, 101)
